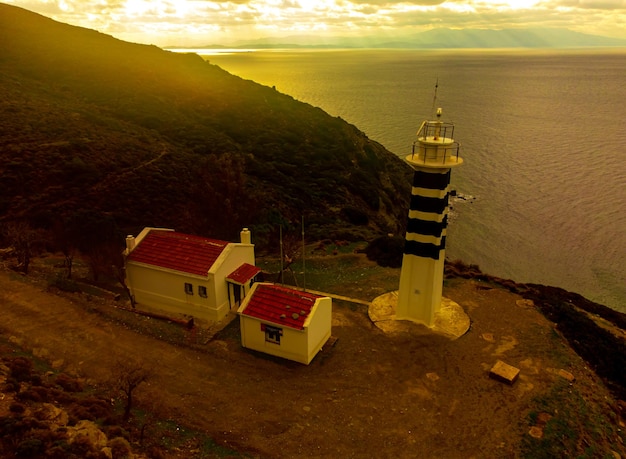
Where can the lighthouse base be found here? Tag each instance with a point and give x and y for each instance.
(450, 320)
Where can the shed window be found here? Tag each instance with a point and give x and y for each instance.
(202, 291)
(188, 288)
(273, 334)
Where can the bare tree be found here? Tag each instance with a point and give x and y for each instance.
(129, 375)
(291, 250)
(99, 259)
(119, 271)
(94, 233)
(63, 239)
(23, 239)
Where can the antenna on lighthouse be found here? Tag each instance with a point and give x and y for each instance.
(435, 96)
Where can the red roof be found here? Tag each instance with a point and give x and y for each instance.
(178, 251)
(244, 273)
(280, 305)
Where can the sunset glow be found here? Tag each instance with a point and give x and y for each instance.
(198, 22)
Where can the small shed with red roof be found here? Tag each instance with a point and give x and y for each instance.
(285, 322)
(189, 275)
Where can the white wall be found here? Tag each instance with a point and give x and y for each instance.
(319, 327)
(421, 283)
(231, 258)
(165, 290)
(293, 344)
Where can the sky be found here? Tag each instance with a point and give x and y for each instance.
(204, 22)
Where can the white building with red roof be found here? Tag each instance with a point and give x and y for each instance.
(285, 322)
(189, 275)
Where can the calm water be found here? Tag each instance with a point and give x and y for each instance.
(543, 135)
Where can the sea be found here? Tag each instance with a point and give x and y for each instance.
(542, 191)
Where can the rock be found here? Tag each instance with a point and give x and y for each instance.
(536, 432)
(40, 352)
(488, 337)
(504, 372)
(543, 418)
(53, 414)
(525, 303)
(90, 430)
(566, 375)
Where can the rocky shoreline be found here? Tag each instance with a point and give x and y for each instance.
(595, 332)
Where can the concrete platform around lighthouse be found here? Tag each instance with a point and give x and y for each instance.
(450, 321)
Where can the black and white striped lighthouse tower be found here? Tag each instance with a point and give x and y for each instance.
(435, 153)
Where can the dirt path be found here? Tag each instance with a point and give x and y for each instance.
(372, 395)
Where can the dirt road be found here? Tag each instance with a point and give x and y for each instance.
(371, 395)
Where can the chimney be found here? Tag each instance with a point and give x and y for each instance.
(246, 237)
(130, 243)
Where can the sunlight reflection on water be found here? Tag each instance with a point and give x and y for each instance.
(541, 133)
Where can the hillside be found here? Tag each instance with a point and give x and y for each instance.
(142, 136)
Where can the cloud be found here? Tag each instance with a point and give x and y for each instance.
(594, 4)
(388, 4)
(167, 22)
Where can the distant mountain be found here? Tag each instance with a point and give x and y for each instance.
(445, 38)
(146, 137)
(509, 38)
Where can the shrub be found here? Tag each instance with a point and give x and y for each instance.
(59, 451)
(64, 284)
(60, 396)
(26, 424)
(20, 368)
(30, 447)
(116, 431)
(17, 408)
(7, 426)
(156, 452)
(12, 385)
(68, 383)
(91, 409)
(386, 251)
(355, 216)
(120, 448)
(34, 394)
(81, 447)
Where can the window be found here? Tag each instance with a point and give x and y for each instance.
(188, 288)
(272, 334)
(202, 291)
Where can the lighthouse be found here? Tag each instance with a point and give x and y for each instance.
(435, 153)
